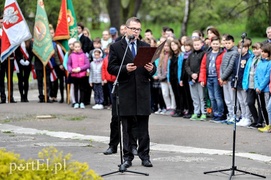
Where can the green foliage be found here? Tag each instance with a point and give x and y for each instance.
(257, 23)
(51, 165)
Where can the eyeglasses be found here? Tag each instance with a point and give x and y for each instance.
(134, 29)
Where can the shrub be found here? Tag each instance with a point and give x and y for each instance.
(51, 165)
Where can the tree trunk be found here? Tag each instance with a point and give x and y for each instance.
(185, 18)
(131, 10)
(114, 9)
(96, 15)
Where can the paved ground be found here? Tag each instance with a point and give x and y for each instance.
(180, 149)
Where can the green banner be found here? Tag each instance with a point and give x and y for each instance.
(42, 46)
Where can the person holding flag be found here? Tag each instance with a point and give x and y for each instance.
(43, 50)
(14, 31)
(23, 56)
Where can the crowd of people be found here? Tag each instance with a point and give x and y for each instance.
(200, 78)
(197, 77)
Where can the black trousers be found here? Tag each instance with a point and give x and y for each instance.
(178, 97)
(115, 133)
(40, 80)
(79, 84)
(3, 72)
(187, 100)
(23, 80)
(256, 113)
(142, 124)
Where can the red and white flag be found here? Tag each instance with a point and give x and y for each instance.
(15, 29)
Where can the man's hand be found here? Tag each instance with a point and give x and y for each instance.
(130, 67)
(149, 67)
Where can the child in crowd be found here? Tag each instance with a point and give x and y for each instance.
(174, 75)
(226, 70)
(192, 67)
(107, 78)
(209, 75)
(241, 93)
(161, 75)
(248, 86)
(97, 45)
(95, 78)
(65, 65)
(78, 64)
(262, 79)
(187, 100)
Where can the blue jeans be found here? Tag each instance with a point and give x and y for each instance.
(215, 95)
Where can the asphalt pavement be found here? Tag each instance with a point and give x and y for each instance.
(180, 148)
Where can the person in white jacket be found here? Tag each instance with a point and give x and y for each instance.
(95, 78)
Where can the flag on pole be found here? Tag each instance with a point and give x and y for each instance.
(15, 29)
(62, 28)
(62, 35)
(42, 46)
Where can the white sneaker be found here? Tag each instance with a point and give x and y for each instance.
(82, 106)
(76, 106)
(163, 111)
(246, 122)
(95, 106)
(241, 122)
(158, 111)
(100, 106)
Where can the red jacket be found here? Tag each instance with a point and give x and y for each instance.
(205, 65)
(105, 74)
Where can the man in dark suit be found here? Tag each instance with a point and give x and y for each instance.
(134, 92)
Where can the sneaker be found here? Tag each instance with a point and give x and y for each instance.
(203, 117)
(230, 121)
(244, 122)
(252, 126)
(158, 111)
(76, 106)
(95, 106)
(163, 111)
(267, 128)
(187, 116)
(169, 112)
(100, 106)
(194, 117)
(82, 106)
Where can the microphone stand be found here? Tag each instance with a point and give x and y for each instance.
(115, 90)
(234, 167)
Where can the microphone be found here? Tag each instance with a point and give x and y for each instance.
(244, 35)
(131, 37)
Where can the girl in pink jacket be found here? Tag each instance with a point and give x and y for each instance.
(78, 64)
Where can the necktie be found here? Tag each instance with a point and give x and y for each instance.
(133, 49)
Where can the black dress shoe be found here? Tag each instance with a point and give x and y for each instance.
(146, 163)
(127, 164)
(134, 151)
(110, 150)
(13, 101)
(61, 101)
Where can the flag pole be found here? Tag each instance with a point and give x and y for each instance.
(8, 79)
(45, 84)
(68, 88)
